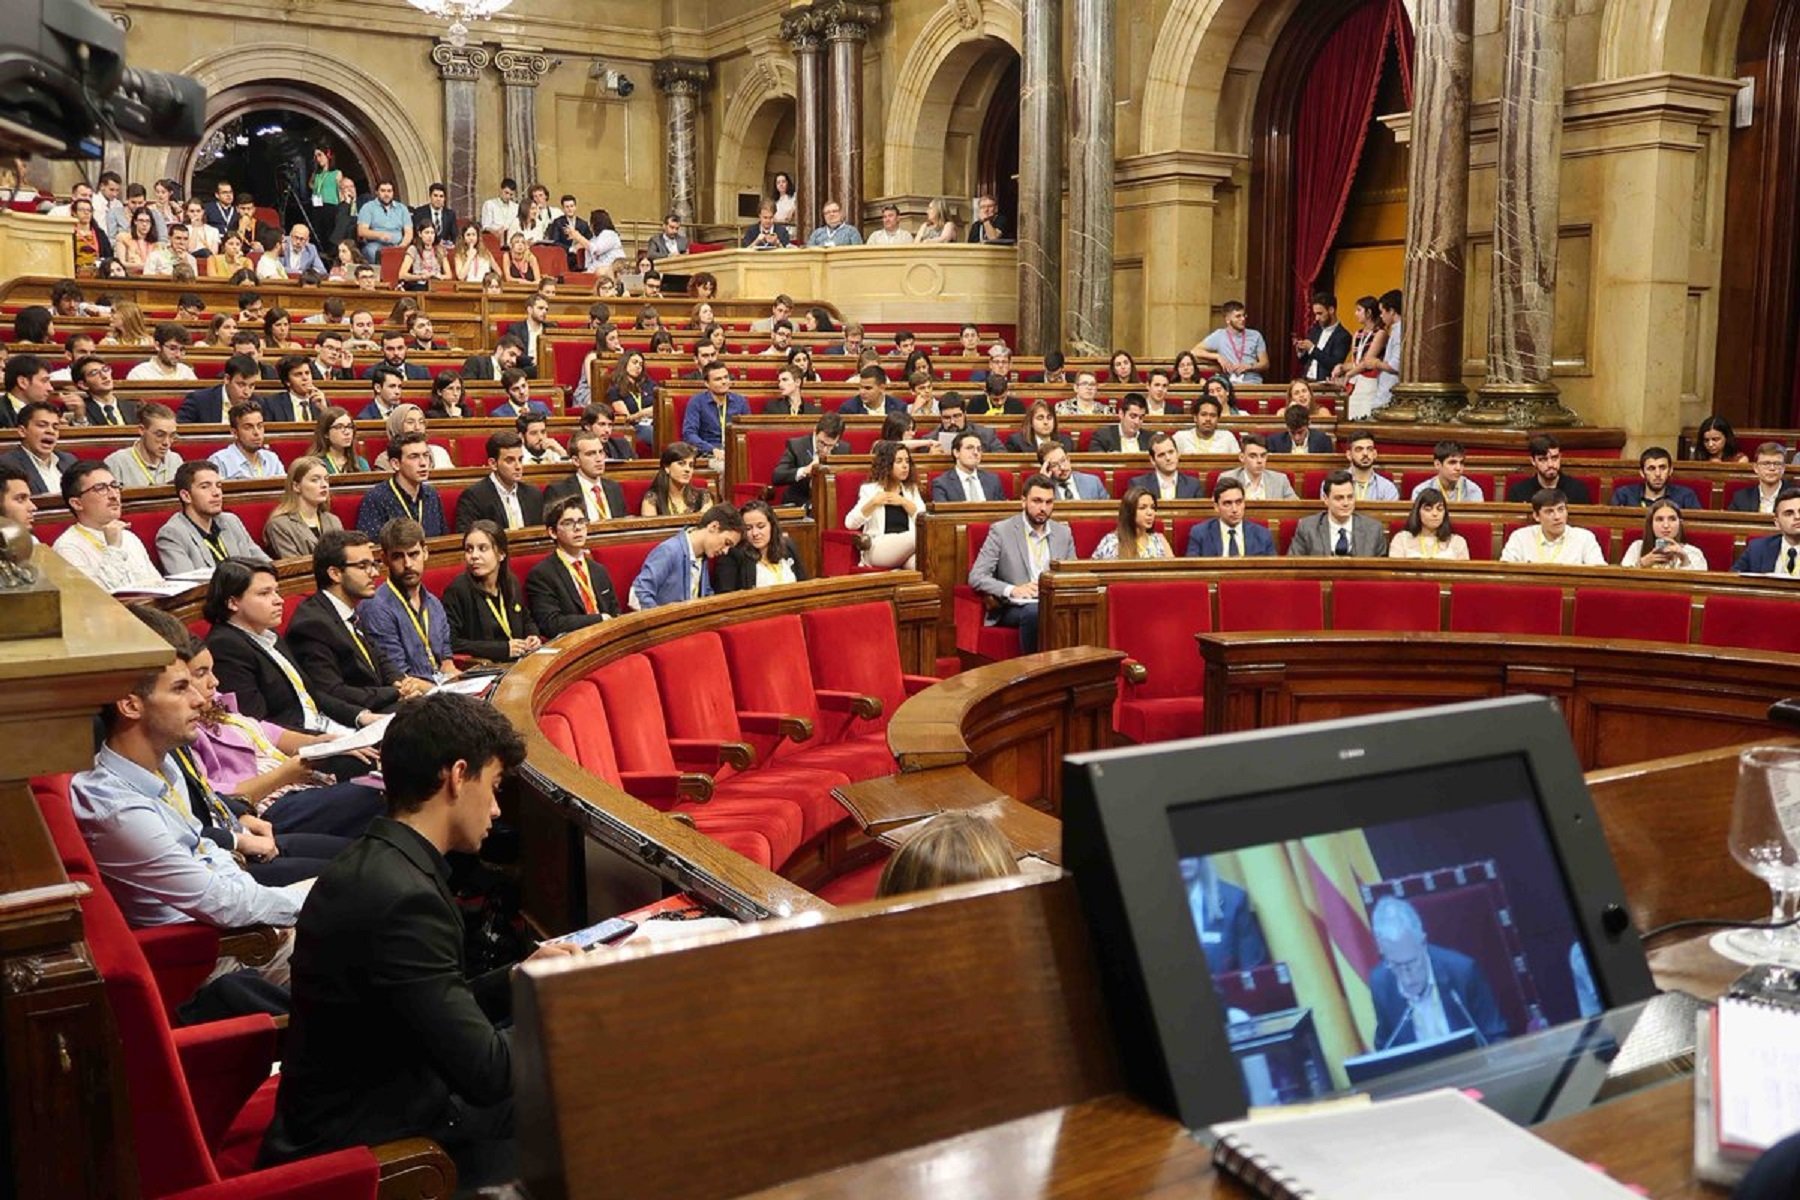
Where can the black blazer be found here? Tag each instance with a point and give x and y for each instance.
(128, 410)
(481, 501)
(331, 664)
(387, 1026)
(1328, 353)
(796, 454)
(1110, 439)
(1317, 442)
(1016, 443)
(1521, 491)
(615, 495)
(205, 406)
(736, 571)
(479, 366)
(527, 360)
(555, 604)
(446, 222)
(473, 629)
(262, 688)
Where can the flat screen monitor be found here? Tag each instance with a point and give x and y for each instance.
(1393, 890)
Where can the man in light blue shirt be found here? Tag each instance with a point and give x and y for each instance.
(677, 569)
(403, 618)
(1369, 483)
(246, 457)
(1235, 349)
(134, 814)
(382, 222)
(834, 232)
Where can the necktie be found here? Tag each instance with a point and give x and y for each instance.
(1793, 554)
(578, 571)
(112, 414)
(1343, 544)
(1066, 492)
(971, 490)
(1231, 546)
(303, 410)
(600, 512)
(698, 569)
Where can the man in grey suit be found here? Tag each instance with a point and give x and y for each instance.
(202, 535)
(1053, 461)
(1016, 552)
(1338, 531)
(36, 455)
(1252, 471)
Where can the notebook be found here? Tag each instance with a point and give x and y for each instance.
(1434, 1144)
(1746, 1086)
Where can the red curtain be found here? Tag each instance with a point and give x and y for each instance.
(1332, 128)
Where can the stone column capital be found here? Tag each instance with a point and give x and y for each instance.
(681, 76)
(523, 68)
(460, 62)
(802, 29)
(848, 20)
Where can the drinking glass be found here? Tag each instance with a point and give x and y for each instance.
(1765, 834)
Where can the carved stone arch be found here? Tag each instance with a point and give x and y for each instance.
(1645, 37)
(349, 100)
(955, 39)
(752, 115)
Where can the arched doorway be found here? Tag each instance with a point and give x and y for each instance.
(268, 152)
(998, 154)
(1756, 378)
(248, 108)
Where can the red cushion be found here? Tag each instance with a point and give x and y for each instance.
(856, 648)
(1402, 605)
(1087, 532)
(1505, 608)
(1750, 623)
(1146, 721)
(575, 722)
(1718, 545)
(1267, 604)
(1645, 616)
(1155, 624)
(770, 673)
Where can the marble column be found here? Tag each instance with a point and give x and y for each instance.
(459, 67)
(1431, 347)
(521, 70)
(681, 80)
(1527, 195)
(1041, 148)
(800, 28)
(1089, 315)
(846, 24)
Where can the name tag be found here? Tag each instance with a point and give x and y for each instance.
(1211, 938)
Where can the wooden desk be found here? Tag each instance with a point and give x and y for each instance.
(886, 806)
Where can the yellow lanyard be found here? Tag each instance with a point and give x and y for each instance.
(186, 758)
(212, 543)
(499, 611)
(252, 463)
(1544, 552)
(578, 569)
(99, 542)
(149, 475)
(421, 619)
(293, 677)
(263, 745)
(1428, 546)
(406, 508)
(1039, 549)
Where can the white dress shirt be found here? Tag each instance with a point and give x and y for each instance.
(116, 568)
(153, 369)
(1222, 441)
(1575, 548)
(509, 501)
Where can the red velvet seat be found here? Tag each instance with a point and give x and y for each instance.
(1750, 623)
(1644, 616)
(854, 650)
(1406, 606)
(1718, 545)
(974, 635)
(1155, 624)
(699, 706)
(1505, 608)
(1247, 605)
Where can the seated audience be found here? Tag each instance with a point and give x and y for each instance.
(1552, 539)
(950, 848)
(953, 418)
(1016, 552)
(1716, 441)
(531, 328)
(334, 443)
(489, 367)
(1448, 457)
(446, 401)
(791, 398)
(601, 498)
(1165, 480)
(503, 497)
(1252, 471)
(1039, 428)
(1778, 554)
(966, 481)
(36, 455)
(99, 544)
(672, 492)
(1298, 436)
(1370, 484)
(1770, 468)
(15, 497)
(835, 231)
(871, 397)
(1664, 543)
(631, 393)
(1206, 437)
(246, 457)
(100, 402)
(202, 534)
(346, 1078)
(1228, 535)
(540, 447)
(405, 493)
(1546, 467)
(764, 558)
(765, 234)
(802, 456)
(1129, 435)
(485, 604)
(1428, 532)
(166, 365)
(339, 662)
(680, 568)
(1339, 530)
(303, 514)
(237, 387)
(1055, 464)
(403, 619)
(1135, 534)
(886, 508)
(598, 418)
(518, 396)
(567, 589)
(300, 398)
(1654, 465)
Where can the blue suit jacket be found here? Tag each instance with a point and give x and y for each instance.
(1233, 942)
(1187, 487)
(1206, 541)
(667, 576)
(946, 488)
(1317, 442)
(701, 427)
(1087, 487)
(205, 406)
(1760, 557)
(1631, 495)
(412, 371)
(854, 406)
(1468, 1000)
(536, 407)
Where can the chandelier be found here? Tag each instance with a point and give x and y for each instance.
(459, 11)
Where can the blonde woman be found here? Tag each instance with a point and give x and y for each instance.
(304, 513)
(938, 226)
(410, 418)
(952, 847)
(127, 327)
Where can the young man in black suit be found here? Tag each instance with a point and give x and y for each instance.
(338, 661)
(588, 449)
(208, 406)
(1326, 344)
(803, 455)
(568, 590)
(503, 497)
(505, 356)
(1299, 437)
(439, 215)
(390, 1038)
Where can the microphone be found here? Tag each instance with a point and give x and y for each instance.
(1402, 1025)
(1785, 712)
(1480, 1038)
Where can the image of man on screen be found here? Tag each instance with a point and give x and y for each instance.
(1424, 993)
(1228, 929)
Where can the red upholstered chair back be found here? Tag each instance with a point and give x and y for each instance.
(695, 684)
(634, 490)
(52, 795)
(566, 357)
(1265, 989)
(1750, 623)
(1702, 488)
(623, 561)
(344, 504)
(1719, 546)
(438, 578)
(763, 448)
(770, 672)
(1646, 616)
(978, 538)
(1155, 624)
(1247, 605)
(634, 711)
(1505, 608)
(576, 723)
(856, 648)
(1407, 606)
(1087, 533)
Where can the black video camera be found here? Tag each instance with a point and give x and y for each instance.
(64, 85)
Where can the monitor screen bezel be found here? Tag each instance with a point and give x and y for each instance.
(1120, 845)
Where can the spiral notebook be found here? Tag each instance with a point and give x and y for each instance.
(1746, 1087)
(1434, 1144)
